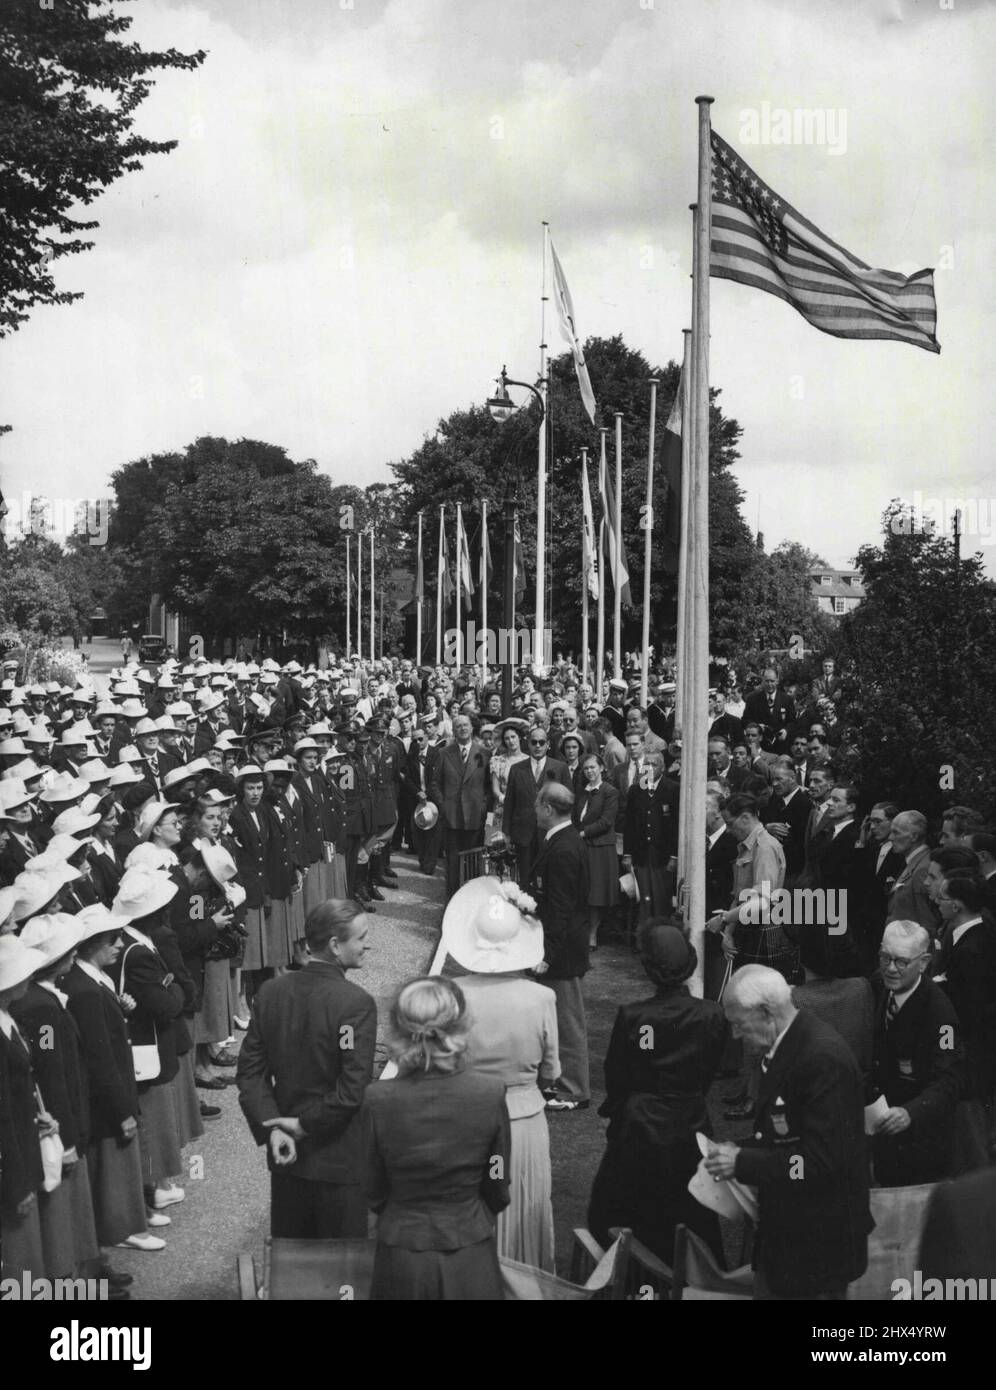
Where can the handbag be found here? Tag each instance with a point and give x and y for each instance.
(52, 1149)
(144, 1056)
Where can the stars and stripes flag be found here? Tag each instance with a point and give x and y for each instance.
(568, 326)
(465, 577)
(759, 239)
(589, 558)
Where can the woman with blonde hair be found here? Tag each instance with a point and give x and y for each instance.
(436, 1145)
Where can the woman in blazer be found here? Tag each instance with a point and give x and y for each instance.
(595, 813)
(436, 1144)
(106, 865)
(570, 751)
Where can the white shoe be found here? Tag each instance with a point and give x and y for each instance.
(158, 1218)
(166, 1196)
(141, 1241)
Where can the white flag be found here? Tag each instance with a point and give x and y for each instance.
(463, 556)
(590, 560)
(568, 326)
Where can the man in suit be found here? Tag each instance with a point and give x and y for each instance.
(771, 708)
(417, 779)
(918, 1062)
(460, 782)
(721, 851)
(358, 811)
(304, 1066)
(724, 725)
(909, 900)
(877, 868)
(650, 837)
(525, 780)
(154, 763)
(966, 968)
(559, 882)
(837, 864)
(983, 845)
(807, 1157)
(818, 787)
(786, 816)
(384, 759)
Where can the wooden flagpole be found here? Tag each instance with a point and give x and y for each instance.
(648, 537)
(586, 560)
(617, 567)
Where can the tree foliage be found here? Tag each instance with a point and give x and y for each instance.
(71, 85)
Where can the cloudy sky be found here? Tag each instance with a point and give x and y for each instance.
(346, 244)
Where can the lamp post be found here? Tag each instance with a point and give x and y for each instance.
(501, 408)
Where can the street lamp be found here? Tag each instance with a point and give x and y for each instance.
(501, 408)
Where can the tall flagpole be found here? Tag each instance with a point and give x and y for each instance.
(459, 585)
(539, 642)
(696, 726)
(359, 594)
(484, 591)
(419, 595)
(602, 569)
(349, 600)
(586, 561)
(439, 587)
(373, 601)
(617, 575)
(687, 437)
(648, 536)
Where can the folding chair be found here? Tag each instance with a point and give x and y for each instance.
(648, 1278)
(309, 1271)
(606, 1283)
(697, 1276)
(893, 1246)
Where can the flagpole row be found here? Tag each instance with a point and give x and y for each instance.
(419, 595)
(648, 536)
(617, 564)
(602, 550)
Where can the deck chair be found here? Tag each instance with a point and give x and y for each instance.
(697, 1276)
(607, 1281)
(899, 1214)
(648, 1278)
(309, 1271)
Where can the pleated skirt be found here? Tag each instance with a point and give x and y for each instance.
(189, 1124)
(314, 886)
(438, 1276)
(603, 875)
(22, 1250)
(525, 1228)
(116, 1185)
(213, 1020)
(277, 929)
(254, 950)
(159, 1134)
(334, 877)
(68, 1229)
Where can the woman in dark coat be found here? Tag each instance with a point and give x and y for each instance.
(595, 811)
(663, 1056)
(436, 1145)
(21, 1171)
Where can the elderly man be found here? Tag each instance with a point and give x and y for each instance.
(787, 815)
(460, 786)
(919, 1062)
(650, 836)
(807, 1157)
(771, 708)
(909, 900)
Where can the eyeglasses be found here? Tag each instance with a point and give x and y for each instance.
(537, 743)
(900, 962)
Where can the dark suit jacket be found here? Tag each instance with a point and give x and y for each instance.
(159, 1005)
(599, 824)
(719, 873)
(251, 845)
(15, 856)
(959, 1234)
(104, 1043)
(872, 886)
(51, 1033)
(519, 810)
(309, 1053)
(165, 762)
(650, 828)
(970, 967)
(661, 721)
(813, 842)
(727, 726)
(21, 1175)
(919, 1065)
(808, 1160)
(756, 711)
(105, 874)
(796, 816)
(430, 1143)
(559, 882)
(461, 790)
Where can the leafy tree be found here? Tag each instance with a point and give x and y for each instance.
(923, 647)
(71, 86)
(33, 597)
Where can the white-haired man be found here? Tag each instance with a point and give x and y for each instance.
(807, 1156)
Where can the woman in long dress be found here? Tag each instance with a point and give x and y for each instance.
(509, 752)
(512, 1035)
(595, 811)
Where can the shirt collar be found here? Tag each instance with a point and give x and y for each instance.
(840, 826)
(777, 1043)
(901, 996)
(959, 932)
(50, 986)
(554, 829)
(716, 835)
(97, 974)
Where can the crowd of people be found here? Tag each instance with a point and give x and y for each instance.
(196, 855)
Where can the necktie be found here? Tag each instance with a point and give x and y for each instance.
(765, 1063)
(463, 753)
(891, 1009)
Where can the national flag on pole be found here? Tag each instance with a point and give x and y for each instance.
(486, 569)
(620, 570)
(568, 326)
(419, 574)
(465, 577)
(589, 560)
(671, 455)
(444, 579)
(518, 564)
(758, 239)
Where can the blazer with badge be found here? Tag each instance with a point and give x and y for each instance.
(251, 842)
(650, 828)
(808, 1160)
(104, 1045)
(309, 1053)
(461, 789)
(559, 882)
(777, 716)
(519, 808)
(795, 814)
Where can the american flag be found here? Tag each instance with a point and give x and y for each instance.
(760, 240)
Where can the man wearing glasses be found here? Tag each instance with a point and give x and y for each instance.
(918, 1062)
(416, 777)
(525, 780)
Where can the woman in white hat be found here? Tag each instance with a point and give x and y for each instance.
(158, 828)
(21, 1174)
(489, 931)
(69, 1234)
(211, 936)
(113, 1157)
(141, 973)
(17, 818)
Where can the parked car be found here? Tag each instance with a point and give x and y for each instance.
(151, 648)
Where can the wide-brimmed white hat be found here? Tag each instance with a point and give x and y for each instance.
(426, 815)
(95, 771)
(39, 734)
(487, 933)
(208, 701)
(145, 727)
(18, 962)
(12, 796)
(214, 797)
(97, 919)
(133, 708)
(64, 787)
(13, 748)
(178, 775)
(141, 892)
(150, 816)
(54, 934)
(124, 775)
(8, 897)
(222, 868)
(59, 850)
(34, 890)
(75, 821)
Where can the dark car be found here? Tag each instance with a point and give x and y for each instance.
(151, 647)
